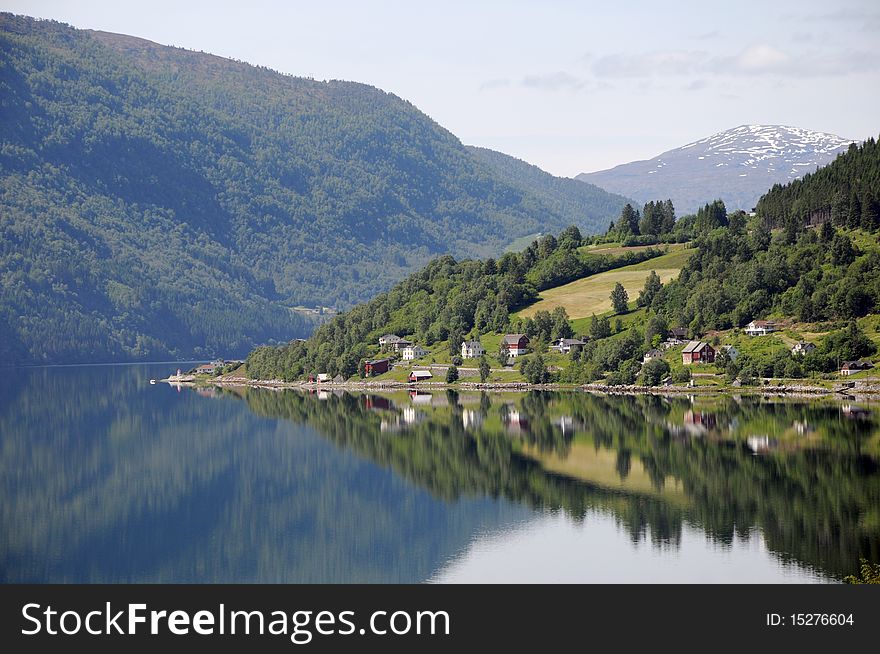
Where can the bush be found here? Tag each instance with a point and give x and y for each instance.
(653, 372)
(451, 375)
(681, 375)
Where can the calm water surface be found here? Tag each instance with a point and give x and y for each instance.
(106, 478)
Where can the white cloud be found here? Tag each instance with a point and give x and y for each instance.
(759, 59)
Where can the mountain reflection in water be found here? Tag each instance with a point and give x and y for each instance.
(109, 479)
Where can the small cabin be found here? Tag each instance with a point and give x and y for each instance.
(651, 355)
(323, 377)
(420, 375)
(206, 369)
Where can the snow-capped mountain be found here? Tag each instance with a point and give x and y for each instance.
(738, 165)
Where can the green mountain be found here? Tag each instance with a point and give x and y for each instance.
(580, 203)
(158, 202)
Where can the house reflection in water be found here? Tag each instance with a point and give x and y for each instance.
(759, 444)
(377, 403)
(471, 419)
(515, 422)
(408, 417)
(802, 427)
(853, 411)
(567, 424)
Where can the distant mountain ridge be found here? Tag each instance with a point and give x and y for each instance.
(581, 203)
(738, 165)
(157, 202)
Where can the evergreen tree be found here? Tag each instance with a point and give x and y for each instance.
(652, 287)
(451, 375)
(561, 327)
(619, 298)
(485, 370)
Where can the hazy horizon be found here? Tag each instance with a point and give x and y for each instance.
(569, 87)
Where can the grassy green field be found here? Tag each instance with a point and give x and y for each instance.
(584, 297)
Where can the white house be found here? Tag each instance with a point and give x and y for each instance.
(566, 345)
(411, 352)
(802, 348)
(760, 327)
(472, 349)
(323, 377)
(388, 339)
(652, 354)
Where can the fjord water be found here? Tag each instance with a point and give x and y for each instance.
(106, 478)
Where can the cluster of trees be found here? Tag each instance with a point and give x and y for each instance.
(656, 219)
(740, 274)
(165, 202)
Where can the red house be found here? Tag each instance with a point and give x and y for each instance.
(697, 352)
(376, 367)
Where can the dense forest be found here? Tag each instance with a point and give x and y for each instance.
(160, 202)
(847, 192)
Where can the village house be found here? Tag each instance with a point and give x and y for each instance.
(515, 344)
(206, 369)
(566, 345)
(323, 377)
(852, 367)
(472, 349)
(376, 367)
(802, 348)
(420, 375)
(730, 352)
(388, 340)
(697, 352)
(652, 354)
(401, 345)
(760, 327)
(411, 352)
(677, 334)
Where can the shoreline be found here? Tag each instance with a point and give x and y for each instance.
(790, 390)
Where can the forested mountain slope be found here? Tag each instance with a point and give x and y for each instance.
(159, 202)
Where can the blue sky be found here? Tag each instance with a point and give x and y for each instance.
(568, 86)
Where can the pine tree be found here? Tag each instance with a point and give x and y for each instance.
(619, 298)
(652, 287)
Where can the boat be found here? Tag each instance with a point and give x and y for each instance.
(152, 381)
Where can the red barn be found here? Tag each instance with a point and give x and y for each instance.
(697, 352)
(376, 367)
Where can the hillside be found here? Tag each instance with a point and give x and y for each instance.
(442, 304)
(591, 295)
(156, 202)
(847, 193)
(737, 165)
(582, 204)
